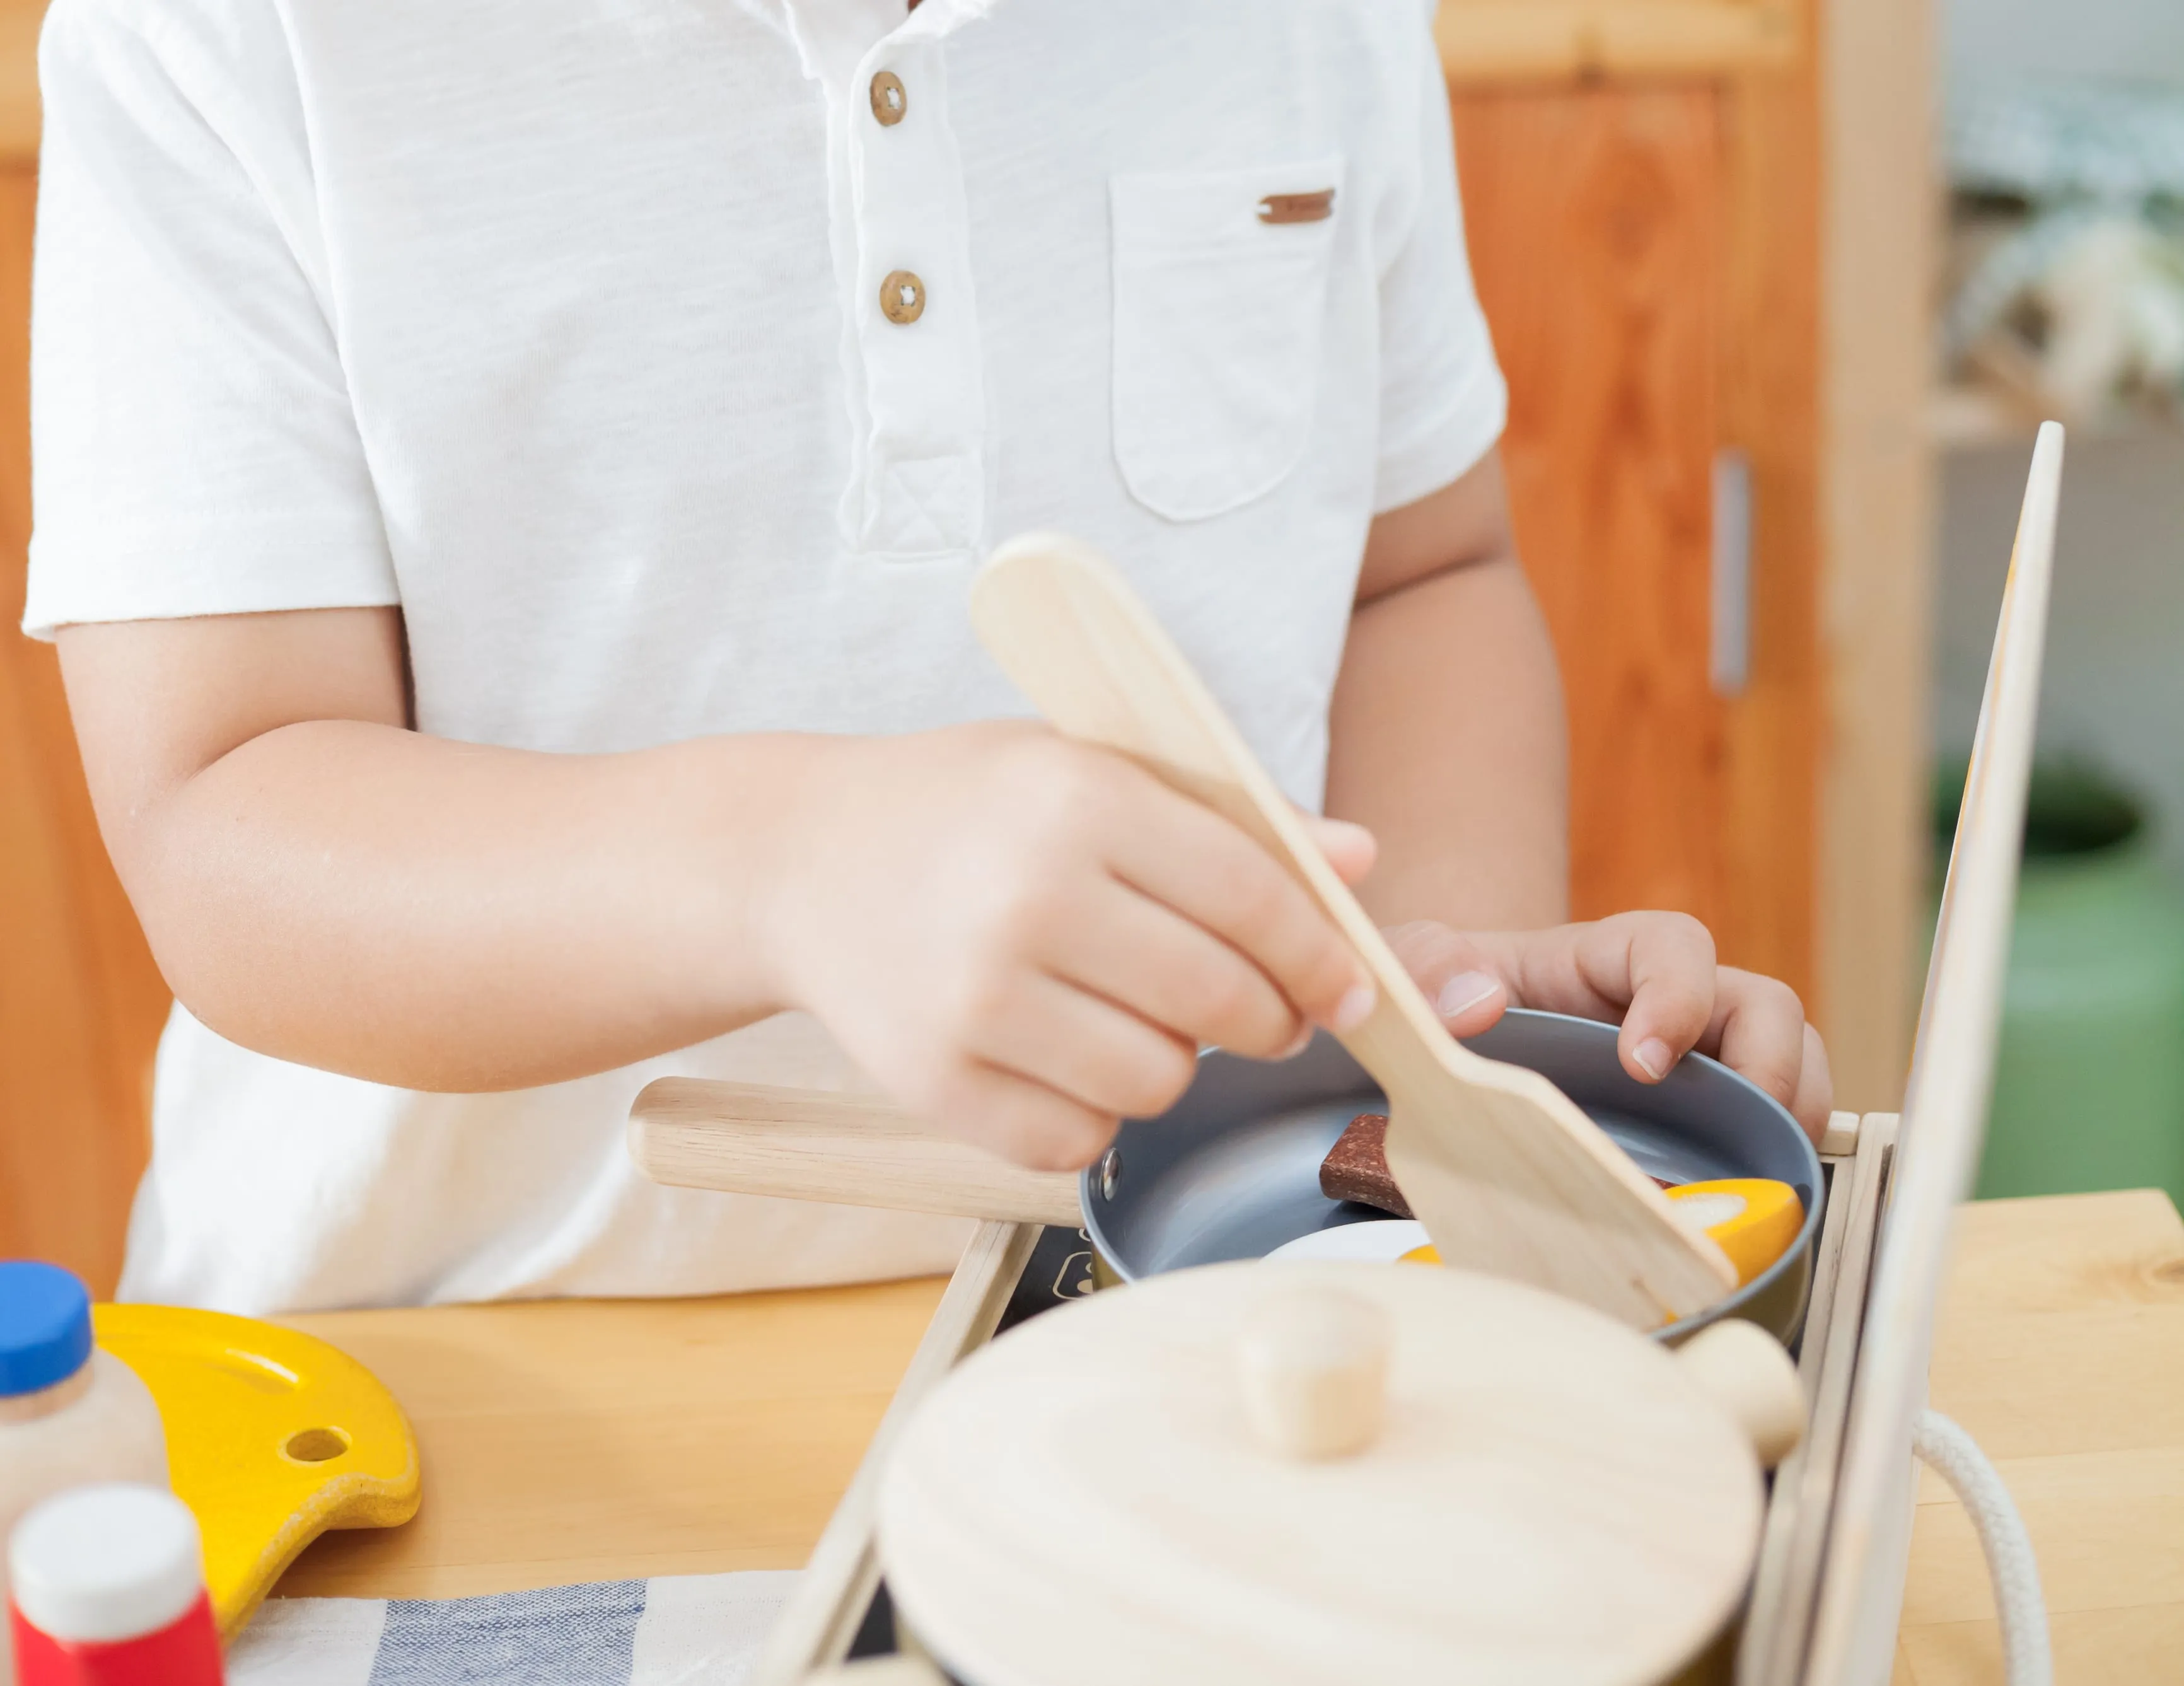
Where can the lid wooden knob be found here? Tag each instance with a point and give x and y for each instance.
(1314, 1366)
(1744, 1370)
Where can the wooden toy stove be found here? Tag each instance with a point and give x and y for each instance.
(1516, 1486)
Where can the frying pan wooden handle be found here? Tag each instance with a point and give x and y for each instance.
(851, 1150)
(1745, 1371)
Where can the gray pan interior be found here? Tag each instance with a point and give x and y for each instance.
(1232, 1171)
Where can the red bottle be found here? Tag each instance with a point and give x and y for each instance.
(107, 1589)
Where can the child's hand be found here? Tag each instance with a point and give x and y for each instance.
(1026, 939)
(1654, 973)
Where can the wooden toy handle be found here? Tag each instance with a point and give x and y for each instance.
(1313, 1366)
(1745, 1371)
(851, 1150)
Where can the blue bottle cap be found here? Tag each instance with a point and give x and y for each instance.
(45, 1325)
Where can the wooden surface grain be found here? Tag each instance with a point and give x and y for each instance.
(583, 1440)
(1594, 219)
(851, 1150)
(1648, 255)
(1882, 211)
(20, 111)
(1945, 1110)
(1517, 41)
(569, 1440)
(1769, 373)
(819, 1622)
(2062, 1350)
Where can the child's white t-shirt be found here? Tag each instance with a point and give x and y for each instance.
(561, 324)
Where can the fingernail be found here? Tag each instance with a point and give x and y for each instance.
(1354, 1007)
(1464, 991)
(1303, 1042)
(1653, 1058)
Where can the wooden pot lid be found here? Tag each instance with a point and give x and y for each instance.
(1326, 1472)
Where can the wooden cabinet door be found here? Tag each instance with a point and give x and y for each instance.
(1602, 224)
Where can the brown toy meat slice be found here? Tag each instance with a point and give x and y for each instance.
(1356, 1167)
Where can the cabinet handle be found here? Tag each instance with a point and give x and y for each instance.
(1729, 656)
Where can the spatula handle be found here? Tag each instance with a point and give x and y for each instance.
(802, 1144)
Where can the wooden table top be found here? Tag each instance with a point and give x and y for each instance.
(588, 1440)
(2061, 1349)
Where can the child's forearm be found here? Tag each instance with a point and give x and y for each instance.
(319, 883)
(1447, 735)
(441, 916)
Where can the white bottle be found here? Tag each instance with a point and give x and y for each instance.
(69, 1413)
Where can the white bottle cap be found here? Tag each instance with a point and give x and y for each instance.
(113, 1561)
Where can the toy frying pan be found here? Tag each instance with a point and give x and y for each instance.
(1232, 1171)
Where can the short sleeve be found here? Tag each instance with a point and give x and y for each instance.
(1442, 401)
(194, 449)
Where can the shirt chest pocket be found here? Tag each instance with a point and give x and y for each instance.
(1220, 293)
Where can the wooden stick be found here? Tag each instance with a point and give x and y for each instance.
(851, 1150)
(1792, 1548)
(816, 1626)
(1763, 1616)
(1944, 1116)
(1746, 1371)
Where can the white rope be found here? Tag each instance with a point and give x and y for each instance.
(1955, 1457)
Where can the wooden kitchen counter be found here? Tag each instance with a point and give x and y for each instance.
(595, 1440)
(570, 1441)
(2062, 1350)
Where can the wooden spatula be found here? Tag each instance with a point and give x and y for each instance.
(1503, 1170)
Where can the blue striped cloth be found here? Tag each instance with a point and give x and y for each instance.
(673, 1630)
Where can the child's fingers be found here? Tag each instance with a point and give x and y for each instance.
(1758, 1030)
(1108, 1059)
(1143, 955)
(1464, 984)
(1350, 848)
(1816, 1089)
(1019, 1119)
(1663, 966)
(1189, 858)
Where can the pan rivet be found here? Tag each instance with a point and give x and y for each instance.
(1111, 1173)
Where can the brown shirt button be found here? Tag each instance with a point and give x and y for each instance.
(902, 298)
(890, 101)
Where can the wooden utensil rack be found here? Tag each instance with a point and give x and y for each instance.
(830, 1604)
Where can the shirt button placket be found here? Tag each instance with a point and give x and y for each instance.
(902, 293)
(924, 486)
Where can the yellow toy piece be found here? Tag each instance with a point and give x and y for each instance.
(1754, 1218)
(273, 1437)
